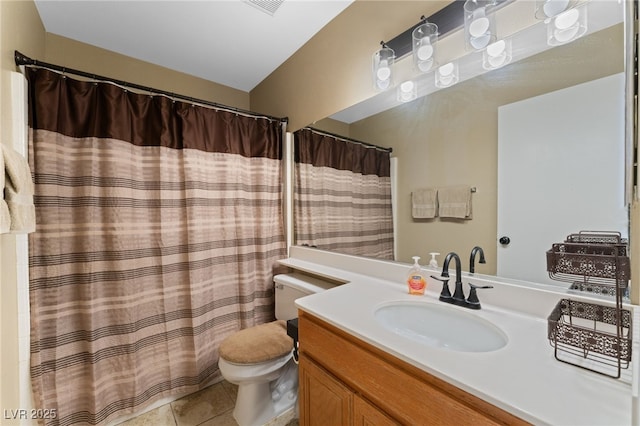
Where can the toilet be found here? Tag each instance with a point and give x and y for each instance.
(259, 359)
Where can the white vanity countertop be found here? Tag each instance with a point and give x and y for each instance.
(522, 378)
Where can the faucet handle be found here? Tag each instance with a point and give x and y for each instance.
(472, 301)
(445, 295)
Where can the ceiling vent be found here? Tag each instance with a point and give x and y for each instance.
(267, 6)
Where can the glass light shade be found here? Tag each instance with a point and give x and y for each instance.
(497, 55)
(479, 24)
(382, 75)
(447, 75)
(407, 91)
(567, 26)
(546, 9)
(425, 37)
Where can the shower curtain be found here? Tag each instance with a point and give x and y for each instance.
(342, 195)
(158, 226)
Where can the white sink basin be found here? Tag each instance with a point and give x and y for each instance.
(441, 326)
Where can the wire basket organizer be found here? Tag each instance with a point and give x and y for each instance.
(591, 335)
(587, 331)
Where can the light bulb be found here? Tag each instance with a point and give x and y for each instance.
(425, 51)
(479, 27)
(383, 72)
(407, 91)
(567, 19)
(446, 75)
(496, 49)
(425, 66)
(383, 84)
(424, 40)
(407, 86)
(446, 69)
(566, 25)
(552, 8)
(480, 42)
(497, 55)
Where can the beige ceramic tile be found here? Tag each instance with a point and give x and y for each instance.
(160, 416)
(196, 408)
(225, 419)
(285, 419)
(231, 389)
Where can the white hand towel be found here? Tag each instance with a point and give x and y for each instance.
(18, 191)
(455, 202)
(424, 203)
(5, 218)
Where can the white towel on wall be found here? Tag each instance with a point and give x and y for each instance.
(18, 191)
(424, 203)
(455, 202)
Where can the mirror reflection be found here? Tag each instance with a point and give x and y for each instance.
(499, 133)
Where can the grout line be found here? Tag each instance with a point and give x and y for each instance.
(173, 414)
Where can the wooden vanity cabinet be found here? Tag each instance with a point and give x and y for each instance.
(346, 381)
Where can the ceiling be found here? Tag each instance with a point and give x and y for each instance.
(230, 42)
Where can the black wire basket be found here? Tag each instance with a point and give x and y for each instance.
(590, 335)
(591, 332)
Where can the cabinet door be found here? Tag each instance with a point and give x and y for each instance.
(366, 414)
(323, 400)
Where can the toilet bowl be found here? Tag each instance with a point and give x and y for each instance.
(260, 361)
(258, 400)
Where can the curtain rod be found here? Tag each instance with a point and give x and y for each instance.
(346, 139)
(25, 60)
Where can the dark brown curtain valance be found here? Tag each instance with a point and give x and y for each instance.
(326, 151)
(103, 110)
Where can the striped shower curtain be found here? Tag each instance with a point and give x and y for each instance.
(342, 195)
(158, 226)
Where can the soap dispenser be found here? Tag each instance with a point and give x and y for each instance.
(434, 262)
(415, 280)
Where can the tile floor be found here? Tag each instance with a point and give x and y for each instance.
(212, 406)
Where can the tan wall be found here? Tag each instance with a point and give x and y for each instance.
(80, 56)
(20, 29)
(332, 126)
(73, 54)
(462, 152)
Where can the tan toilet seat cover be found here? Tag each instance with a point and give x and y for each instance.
(257, 344)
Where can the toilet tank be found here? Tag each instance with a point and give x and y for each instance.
(290, 287)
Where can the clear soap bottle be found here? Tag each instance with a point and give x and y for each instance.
(415, 279)
(434, 262)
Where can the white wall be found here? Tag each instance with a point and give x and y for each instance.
(549, 130)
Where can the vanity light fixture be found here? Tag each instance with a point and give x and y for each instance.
(546, 9)
(424, 39)
(479, 24)
(497, 54)
(447, 75)
(567, 26)
(407, 91)
(382, 61)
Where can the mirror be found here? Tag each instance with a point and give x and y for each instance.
(451, 137)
